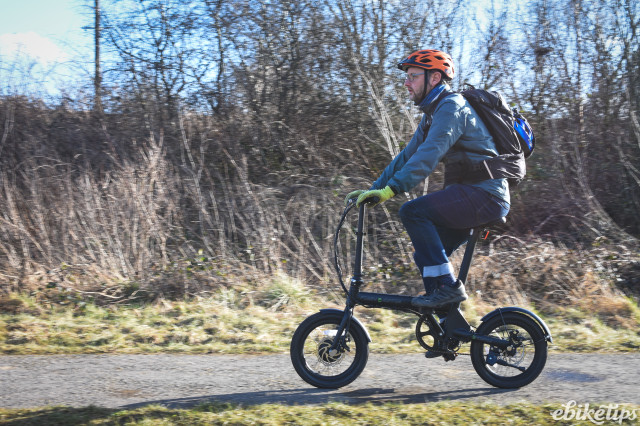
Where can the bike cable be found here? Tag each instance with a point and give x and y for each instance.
(336, 243)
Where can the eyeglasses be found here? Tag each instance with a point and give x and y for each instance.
(411, 77)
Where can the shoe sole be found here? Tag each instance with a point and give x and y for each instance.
(420, 303)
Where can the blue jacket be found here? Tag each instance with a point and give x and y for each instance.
(454, 123)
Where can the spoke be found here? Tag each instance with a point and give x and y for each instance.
(519, 358)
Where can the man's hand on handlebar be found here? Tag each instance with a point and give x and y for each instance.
(375, 196)
(353, 195)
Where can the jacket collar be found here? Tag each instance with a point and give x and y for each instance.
(432, 96)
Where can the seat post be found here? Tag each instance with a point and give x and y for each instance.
(468, 253)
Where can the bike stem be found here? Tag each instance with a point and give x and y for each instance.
(356, 279)
(357, 267)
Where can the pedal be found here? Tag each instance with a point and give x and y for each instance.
(450, 356)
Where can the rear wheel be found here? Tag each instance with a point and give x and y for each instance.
(319, 365)
(521, 362)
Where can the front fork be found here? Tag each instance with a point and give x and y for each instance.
(347, 317)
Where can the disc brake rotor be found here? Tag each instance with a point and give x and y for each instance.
(514, 353)
(328, 356)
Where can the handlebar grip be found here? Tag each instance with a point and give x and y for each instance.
(369, 200)
(372, 200)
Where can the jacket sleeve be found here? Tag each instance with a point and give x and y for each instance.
(421, 156)
(401, 159)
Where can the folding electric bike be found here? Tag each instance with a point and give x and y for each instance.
(329, 349)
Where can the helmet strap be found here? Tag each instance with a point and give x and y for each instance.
(423, 95)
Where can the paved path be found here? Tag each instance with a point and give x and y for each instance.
(184, 380)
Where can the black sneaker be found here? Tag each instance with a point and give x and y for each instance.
(432, 354)
(443, 295)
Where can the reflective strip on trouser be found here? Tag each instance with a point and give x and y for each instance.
(437, 270)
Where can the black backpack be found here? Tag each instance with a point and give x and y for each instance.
(511, 133)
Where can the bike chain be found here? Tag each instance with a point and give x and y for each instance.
(443, 352)
(448, 352)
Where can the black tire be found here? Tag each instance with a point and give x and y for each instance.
(310, 356)
(525, 359)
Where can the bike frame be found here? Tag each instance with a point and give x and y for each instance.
(456, 326)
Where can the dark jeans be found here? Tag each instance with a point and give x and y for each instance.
(439, 223)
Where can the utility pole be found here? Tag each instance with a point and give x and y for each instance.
(97, 81)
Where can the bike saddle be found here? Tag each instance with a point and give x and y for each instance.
(500, 221)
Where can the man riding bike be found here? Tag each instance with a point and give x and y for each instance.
(452, 132)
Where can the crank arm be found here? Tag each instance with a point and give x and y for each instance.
(506, 364)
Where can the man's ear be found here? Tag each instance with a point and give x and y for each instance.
(435, 78)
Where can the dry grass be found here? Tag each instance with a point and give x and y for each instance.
(555, 278)
(189, 297)
(147, 230)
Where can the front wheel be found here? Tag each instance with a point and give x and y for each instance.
(319, 365)
(521, 362)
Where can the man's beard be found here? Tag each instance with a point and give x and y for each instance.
(419, 98)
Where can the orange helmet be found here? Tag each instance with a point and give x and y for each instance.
(430, 59)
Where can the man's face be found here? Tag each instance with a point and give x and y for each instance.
(414, 83)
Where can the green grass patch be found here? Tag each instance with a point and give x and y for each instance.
(440, 413)
(197, 326)
(238, 320)
(229, 322)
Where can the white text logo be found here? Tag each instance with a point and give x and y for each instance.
(598, 415)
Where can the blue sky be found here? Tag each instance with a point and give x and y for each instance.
(46, 37)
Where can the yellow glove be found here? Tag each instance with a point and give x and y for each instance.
(353, 194)
(375, 196)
